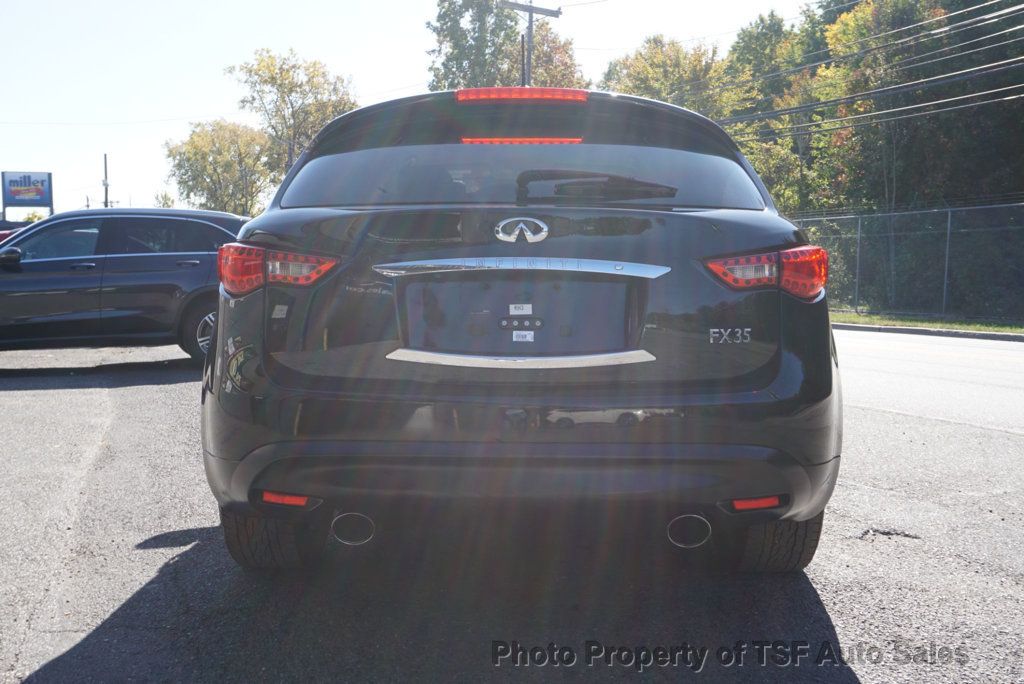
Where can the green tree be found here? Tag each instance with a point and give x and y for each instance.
(224, 166)
(554, 62)
(163, 199)
(778, 165)
(833, 9)
(757, 51)
(806, 43)
(33, 216)
(663, 69)
(293, 98)
(474, 41)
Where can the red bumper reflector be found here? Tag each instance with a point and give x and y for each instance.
(520, 94)
(755, 504)
(285, 499)
(521, 141)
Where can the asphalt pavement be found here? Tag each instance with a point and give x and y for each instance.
(112, 565)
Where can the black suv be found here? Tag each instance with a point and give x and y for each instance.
(514, 297)
(113, 276)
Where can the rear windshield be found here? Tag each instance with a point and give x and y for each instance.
(582, 174)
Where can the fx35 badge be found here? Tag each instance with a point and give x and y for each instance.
(729, 335)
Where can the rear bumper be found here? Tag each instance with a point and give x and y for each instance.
(368, 447)
(373, 477)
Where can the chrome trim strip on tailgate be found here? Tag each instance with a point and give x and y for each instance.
(523, 362)
(508, 263)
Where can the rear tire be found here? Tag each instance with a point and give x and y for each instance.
(779, 546)
(256, 542)
(197, 329)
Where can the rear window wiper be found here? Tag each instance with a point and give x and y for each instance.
(590, 185)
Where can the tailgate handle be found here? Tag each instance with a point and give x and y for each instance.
(522, 362)
(507, 263)
(188, 262)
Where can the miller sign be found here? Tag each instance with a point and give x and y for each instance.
(27, 189)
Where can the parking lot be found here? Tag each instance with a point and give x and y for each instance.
(112, 565)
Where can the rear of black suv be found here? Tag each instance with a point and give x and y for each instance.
(520, 296)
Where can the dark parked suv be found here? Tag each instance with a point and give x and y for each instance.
(113, 276)
(523, 298)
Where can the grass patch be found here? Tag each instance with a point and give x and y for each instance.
(942, 323)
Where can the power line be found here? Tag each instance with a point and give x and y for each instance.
(961, 44)
(913, 40)
(699, 39)
(895, 109)
(395, 90)
(908, 41)
(694, 39)
(959, 54)
(768, 135)
(887, 90)
(909, 26)
(107, 123)
(959, 202)
(813, 88)
(895, 66)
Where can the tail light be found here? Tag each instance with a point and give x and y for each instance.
(240, 268)
(525, 95)
(804, 271)
(243, 269)
(296, 269)
(744, 272)
(519, 94)
(800, 271)
(522, 141)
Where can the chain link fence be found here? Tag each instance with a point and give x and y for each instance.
(961, 262)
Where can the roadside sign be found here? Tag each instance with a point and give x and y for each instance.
(27, 189)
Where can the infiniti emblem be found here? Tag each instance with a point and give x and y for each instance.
(510, 229)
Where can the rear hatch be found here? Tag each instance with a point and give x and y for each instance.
(538, 246)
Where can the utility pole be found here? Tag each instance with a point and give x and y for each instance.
(522, 60)
(106, 184)
(530, 10)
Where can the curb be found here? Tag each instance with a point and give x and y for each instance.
(937, 332)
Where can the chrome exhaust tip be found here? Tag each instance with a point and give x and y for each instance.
(688, 531)
(353, 529)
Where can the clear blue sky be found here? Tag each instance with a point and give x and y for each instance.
(81, 78)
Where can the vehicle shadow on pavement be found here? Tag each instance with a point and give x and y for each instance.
(111, 375)
(430, 599)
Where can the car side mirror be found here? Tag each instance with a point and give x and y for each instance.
(10, 256)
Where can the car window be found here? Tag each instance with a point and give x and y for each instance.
(66, 239)
(635, 174)
(132, 235)
(200, 237)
